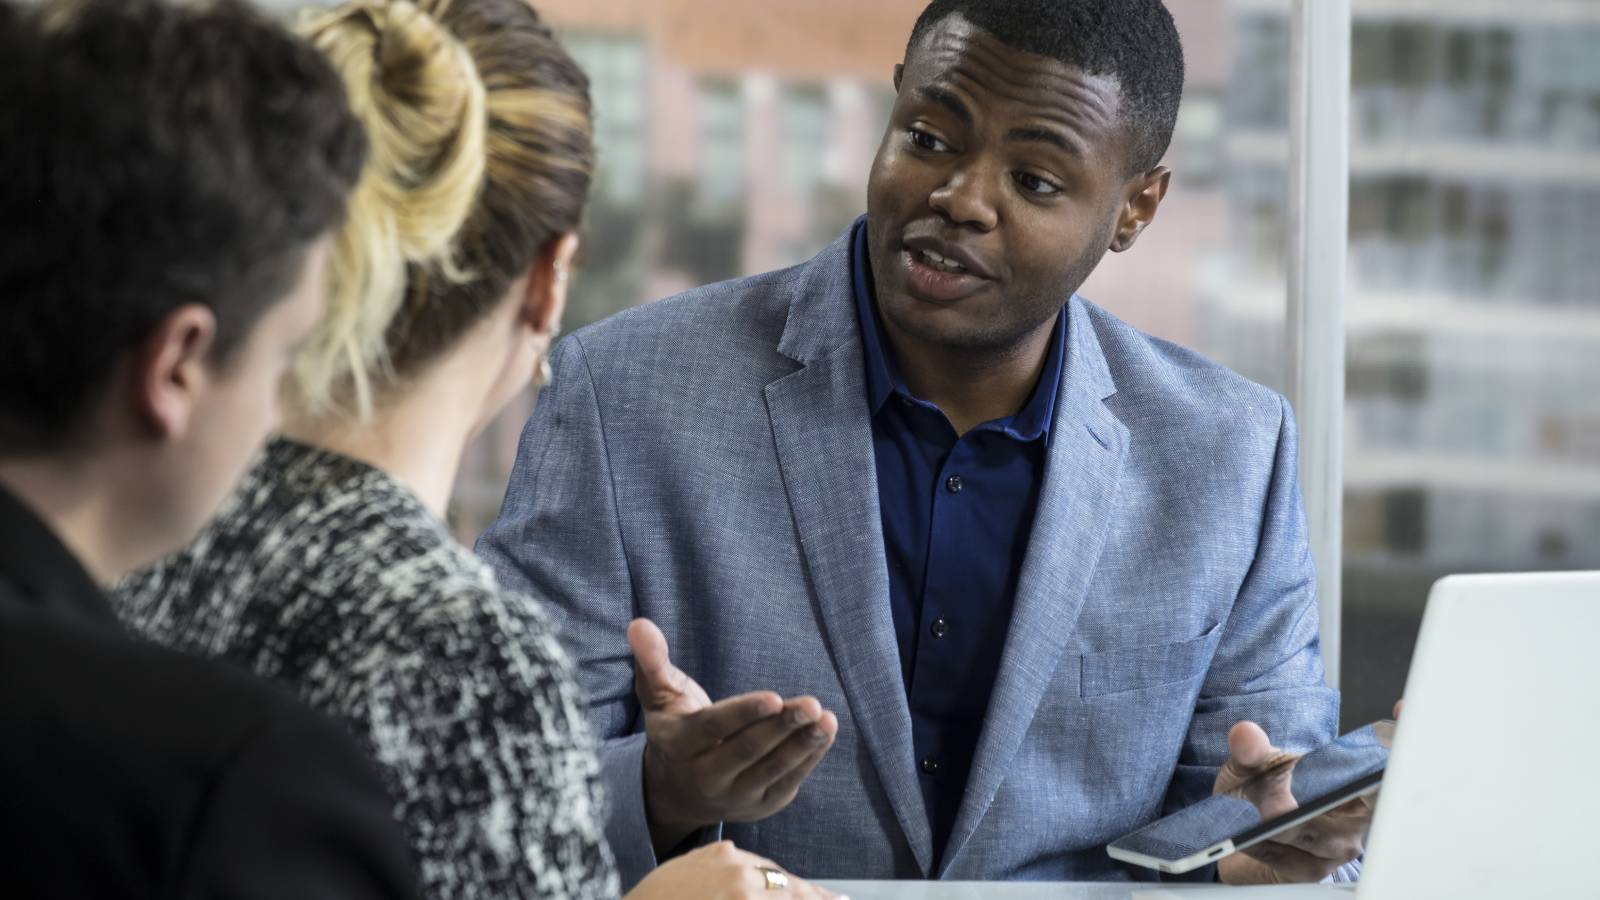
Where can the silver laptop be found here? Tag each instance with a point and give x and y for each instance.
(1493, 787)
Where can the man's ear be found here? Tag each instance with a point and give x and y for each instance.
(545, 298)
(172, 369)
(899, 70)
(1139, 210)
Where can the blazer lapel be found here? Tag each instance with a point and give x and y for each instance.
(823, 437)
(1087, 445)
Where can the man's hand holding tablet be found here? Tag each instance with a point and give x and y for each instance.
(1296, 818)
(1308, 852)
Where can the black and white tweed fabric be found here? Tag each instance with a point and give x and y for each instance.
(328, 576)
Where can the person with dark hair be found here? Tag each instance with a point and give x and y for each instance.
(331, 569)
(1028, 572)
(173, 176)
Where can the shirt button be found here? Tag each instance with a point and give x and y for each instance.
(953, 484)
(940, 628)
(929, 765)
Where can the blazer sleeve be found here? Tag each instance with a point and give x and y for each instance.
(298, 811)
(1268, 666)
(559, 539)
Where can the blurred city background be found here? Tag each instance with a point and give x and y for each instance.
(736, 135)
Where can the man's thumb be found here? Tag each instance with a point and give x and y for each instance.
(651, 661)
(1249, 747)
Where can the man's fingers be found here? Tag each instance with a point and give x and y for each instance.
(1334, 839)
(781, 792)
(749, 745)
(756, 777)
(1356, 807)
(1397, 705)
(1292, 864)
(721, 720)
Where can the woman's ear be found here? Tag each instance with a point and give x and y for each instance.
(171, 369)
(546, 297)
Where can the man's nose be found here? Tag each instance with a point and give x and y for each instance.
(966, 198)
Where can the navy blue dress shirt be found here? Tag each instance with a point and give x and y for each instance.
(957, 512)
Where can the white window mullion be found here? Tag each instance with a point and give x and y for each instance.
(1319, 193)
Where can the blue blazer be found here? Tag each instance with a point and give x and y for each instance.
(706, 461)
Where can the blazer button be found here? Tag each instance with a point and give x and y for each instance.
(929, 765)
(939, 628)
(953, 484)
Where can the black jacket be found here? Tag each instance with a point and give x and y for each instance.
(127, 770)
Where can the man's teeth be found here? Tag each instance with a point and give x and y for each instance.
(934, 260)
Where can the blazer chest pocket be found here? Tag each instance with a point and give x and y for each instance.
(1136, 668)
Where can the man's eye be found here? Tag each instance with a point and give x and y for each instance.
(1033, 184)
(927, 141)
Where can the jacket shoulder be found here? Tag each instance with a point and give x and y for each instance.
(738, 314)
(1163, 385)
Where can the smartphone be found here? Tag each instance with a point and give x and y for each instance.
(1277, 799)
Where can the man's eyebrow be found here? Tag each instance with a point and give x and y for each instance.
(1046, 136)
(947, 99)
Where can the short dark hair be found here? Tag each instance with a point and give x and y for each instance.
(1134, 41)
(154, 155)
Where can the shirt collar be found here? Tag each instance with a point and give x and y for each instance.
(44, 575)
(883, 376)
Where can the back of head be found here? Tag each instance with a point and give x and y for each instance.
(1135, 42)
(481, 153)
(156, 154)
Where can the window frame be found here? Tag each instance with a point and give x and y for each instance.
(1319, 198)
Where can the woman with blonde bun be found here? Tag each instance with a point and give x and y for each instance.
(331, 570)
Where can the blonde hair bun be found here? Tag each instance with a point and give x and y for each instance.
(416, 89)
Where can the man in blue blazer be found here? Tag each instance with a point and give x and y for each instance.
(1021, 567)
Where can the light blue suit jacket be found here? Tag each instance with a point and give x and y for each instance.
(706, 461)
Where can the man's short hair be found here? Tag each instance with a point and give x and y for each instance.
(1134, 41)
(154, 155)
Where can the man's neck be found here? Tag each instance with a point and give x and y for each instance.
(972, 386)
(77, 508)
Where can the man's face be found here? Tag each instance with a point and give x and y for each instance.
(241, 408)
(995, 193)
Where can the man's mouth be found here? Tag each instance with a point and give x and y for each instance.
(938, 278)
(940, 263)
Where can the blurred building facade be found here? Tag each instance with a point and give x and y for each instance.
(1472, 426)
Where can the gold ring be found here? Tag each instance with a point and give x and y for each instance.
(777, 879)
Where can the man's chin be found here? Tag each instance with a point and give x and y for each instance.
(952, 327)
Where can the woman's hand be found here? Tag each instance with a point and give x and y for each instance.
(721, 871)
